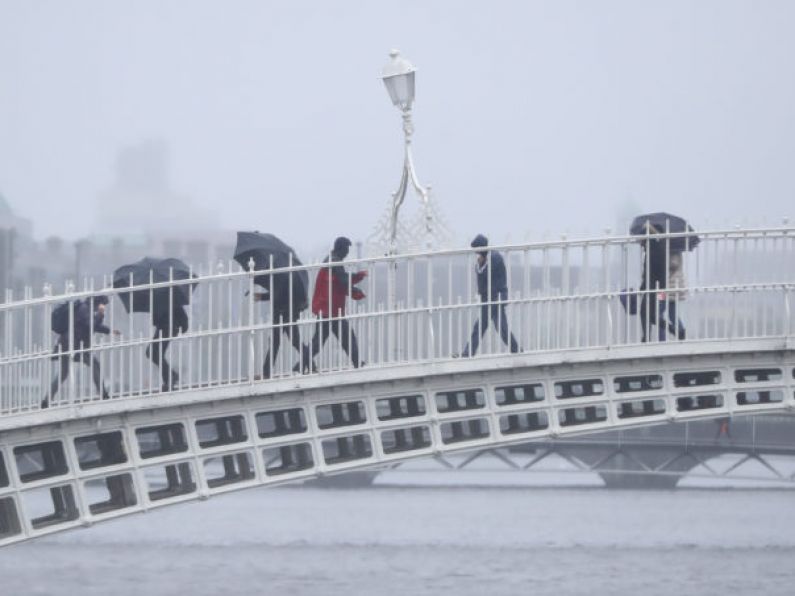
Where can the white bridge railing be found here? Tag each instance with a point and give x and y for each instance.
(562, 295)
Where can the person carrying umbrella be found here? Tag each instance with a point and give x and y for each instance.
(168, 322)
(165, 304)
(663, 283)
(287, 291)
(492, 287)
(332, 287)
(88, 318)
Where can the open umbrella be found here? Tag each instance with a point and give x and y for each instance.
(660, 223)
(265, 249)
(151, 270)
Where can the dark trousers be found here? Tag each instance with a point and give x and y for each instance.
(495, 312)
(63, 374)
(342, 331)
(661, 313)
(156, 352)
(292, 333)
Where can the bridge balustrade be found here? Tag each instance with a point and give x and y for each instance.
(562, 295)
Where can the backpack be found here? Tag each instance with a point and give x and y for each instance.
(59, 320)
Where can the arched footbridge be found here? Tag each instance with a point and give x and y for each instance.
(581, 368)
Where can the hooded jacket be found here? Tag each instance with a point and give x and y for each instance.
(494, 267)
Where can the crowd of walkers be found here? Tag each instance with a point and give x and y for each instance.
(662, 288)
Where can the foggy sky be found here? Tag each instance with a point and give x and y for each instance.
(530, 116)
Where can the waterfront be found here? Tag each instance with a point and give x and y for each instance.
(392, 540)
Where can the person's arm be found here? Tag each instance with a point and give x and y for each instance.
(347, 281)
(99, 324)
(339, 273)
(499, 278)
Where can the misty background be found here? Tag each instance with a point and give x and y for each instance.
(197, 116)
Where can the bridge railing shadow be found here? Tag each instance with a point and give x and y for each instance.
(559, 295)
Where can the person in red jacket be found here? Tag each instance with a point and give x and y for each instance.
(332, 287)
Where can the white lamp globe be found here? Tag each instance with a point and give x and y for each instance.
(398, 76)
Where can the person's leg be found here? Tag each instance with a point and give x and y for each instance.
(649, 310)
(93, 364)
(480, 328)
(276, 335)
(168, 374)
(644, 322)
(60, 379)
(343, 331)
(302, 360)
(318, 340)
(500, 319)
(156, 352)
(294, 333)
(675, 325)
(662, 319)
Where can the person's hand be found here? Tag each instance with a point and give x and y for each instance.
(357, 294)
(660, 295)
(261, 296)
(362, 274)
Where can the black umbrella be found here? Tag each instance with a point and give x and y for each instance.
(660, 223)
(267, 249)
(150, 270)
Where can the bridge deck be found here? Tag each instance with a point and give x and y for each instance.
(581, 368)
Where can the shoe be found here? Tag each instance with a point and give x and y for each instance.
(174, 385)
(44, 404)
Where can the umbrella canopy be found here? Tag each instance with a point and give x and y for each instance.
(659, 223)
(150, 270)
(265, 249)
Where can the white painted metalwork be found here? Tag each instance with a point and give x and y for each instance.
(581, 368)
(628, 461)
(562, 296)
(429, 231)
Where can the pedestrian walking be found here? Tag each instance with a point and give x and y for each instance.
(493, 291)
(169, 321)
(288, 299)
(88, 317)
(662, 288)
(332, 288)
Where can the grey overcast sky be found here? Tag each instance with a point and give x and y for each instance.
(531, 116)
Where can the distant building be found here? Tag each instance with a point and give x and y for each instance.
(141, 199)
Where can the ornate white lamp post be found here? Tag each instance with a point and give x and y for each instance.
(398, 77)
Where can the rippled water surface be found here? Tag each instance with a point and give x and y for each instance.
(427, 541)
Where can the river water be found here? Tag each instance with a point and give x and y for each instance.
(411, 541)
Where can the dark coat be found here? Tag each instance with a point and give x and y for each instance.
(178, 320)
(278, 291)
(499, 278)
(654, 265)
(82, 329)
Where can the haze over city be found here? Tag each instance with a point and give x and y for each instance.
(531, 117)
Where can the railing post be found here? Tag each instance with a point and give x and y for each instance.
(251, 332)
(429, 302)
(71, 343)
(609, 319)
